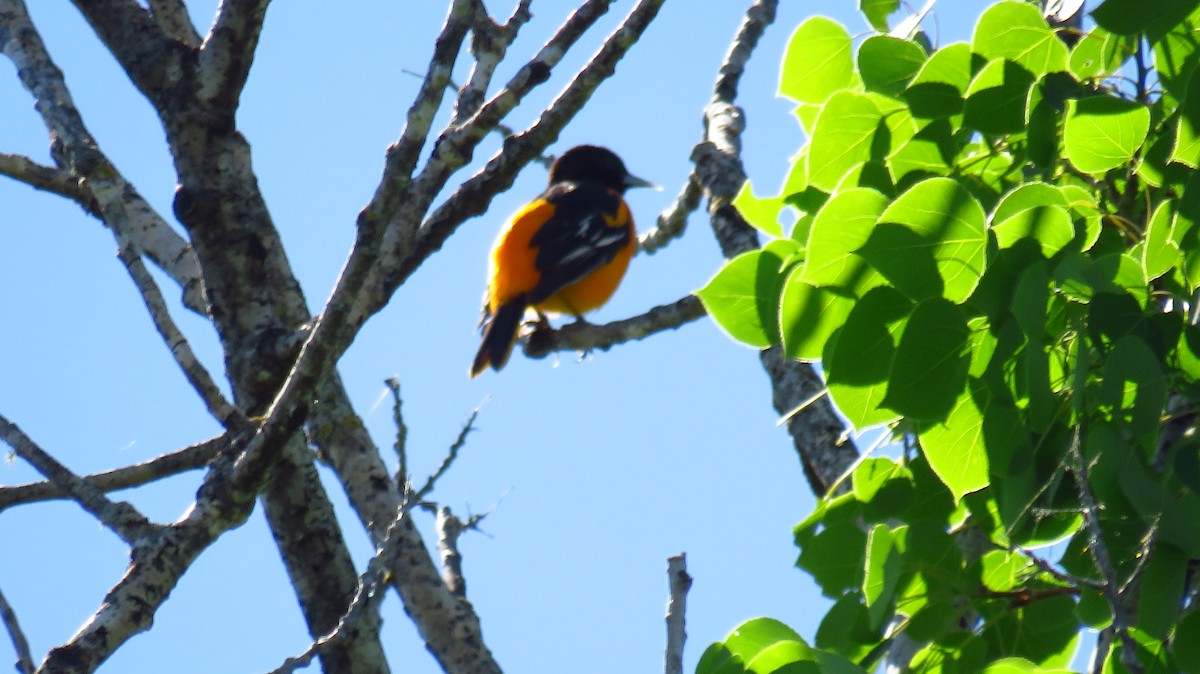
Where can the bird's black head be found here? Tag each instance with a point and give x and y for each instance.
(597, 164)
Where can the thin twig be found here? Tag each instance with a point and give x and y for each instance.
(189, 458)
(458, 444)
(195, 372)
(489, 43)
(1099, 552)
(367, 598)
(20, 643)
(122, 518)
(401, 443)
(678, 582)
(672, 221)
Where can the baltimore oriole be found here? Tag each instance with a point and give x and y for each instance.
(565, 252)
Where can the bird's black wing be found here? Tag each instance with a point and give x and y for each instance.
(577, 239)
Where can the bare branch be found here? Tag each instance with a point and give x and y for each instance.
(455, 146)
(474, 195)
(818, 434)
(489, 44)
(151, 57)
(188, 458)
(678, 583)
(228, 52)
(401, 443)
(48, 179)
(220, 408)
(401, 160)
(172, 16)
(458, 444)
(1100, 555)
(449, 529)
(115, 200)
(363, 608)
(122, 518)
(584, 336)
(673, 220)
(20, 643)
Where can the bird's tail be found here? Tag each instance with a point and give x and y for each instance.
(499, 335)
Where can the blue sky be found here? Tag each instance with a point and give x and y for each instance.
(602, 468)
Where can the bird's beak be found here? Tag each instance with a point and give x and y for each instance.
(634, 181)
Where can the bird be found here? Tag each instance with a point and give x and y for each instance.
(565, 252)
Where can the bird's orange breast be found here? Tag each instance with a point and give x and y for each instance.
(513, 269)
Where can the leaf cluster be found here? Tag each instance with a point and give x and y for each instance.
(995, 255)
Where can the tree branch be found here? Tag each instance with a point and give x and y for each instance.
(167, 465)
(20, 643)
(474, 195)
(489, 44)
(202, 382)
(672, 221)
(678, 582)
(449, 529)
(153, 59)
(115, 200)
(122, 518)
(364, 608)
(584, 336)
(228, 52)
(48, 179)
(172, 16)
(1099, 552)
(817, 433)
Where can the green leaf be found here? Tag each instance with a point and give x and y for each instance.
(939, 87)
(842, 138)
(1044, 631)
(1028, 196)
(1161, 589)
(844, 629)
(880, 475)
(1176, 56)
(1013, 666)
(1001, 570)
(1104, 132)
(1016, 31)
(1161, 251)
(1135, 385)
(1186, 644)
(877, 12)
(1097, 54)
(998, 98)
(956, 450)
(809, 316)
(762, 213)
(841, 227)
(1034, 210)
(930, 369)
(743, 298)
(927, 152)
(888, 64)
(818, 62)
(1187, 136)
(857, 370)
(882, 573)
(1129, 17)
(747, 642)
(834, 557)
(942, 251)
